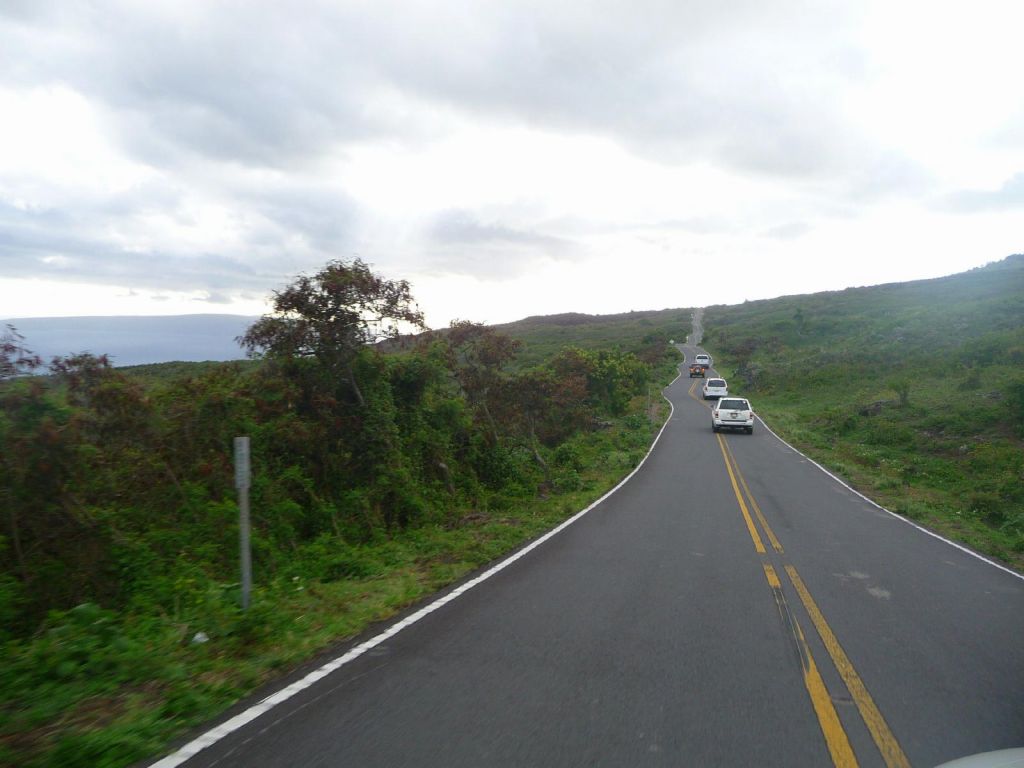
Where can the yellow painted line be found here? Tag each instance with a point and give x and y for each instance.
(835, 737)
(739, 497)
(773, 579)
(776, 545)
(891, 751)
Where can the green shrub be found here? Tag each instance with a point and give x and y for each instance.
(971, 382)
(1015, 403)
(901, 386)
(330, 558)
(11, 600)
(568, 480)
(636, 421)
(107, 748)
(86, 645)
(569, 455)
(885, 433)
(840, 421)
(987, 506)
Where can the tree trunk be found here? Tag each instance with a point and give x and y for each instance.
(16, 541)
(490, 419)
(535, 447)
(355, 386)
(447, 474)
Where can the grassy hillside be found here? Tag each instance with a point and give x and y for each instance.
(914, 392)
(544, 336)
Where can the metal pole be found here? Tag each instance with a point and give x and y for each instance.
(242, 481)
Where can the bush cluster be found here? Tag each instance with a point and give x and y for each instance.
(119, 572)
(123, 495)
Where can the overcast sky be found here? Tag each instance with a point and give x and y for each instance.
(507, 158)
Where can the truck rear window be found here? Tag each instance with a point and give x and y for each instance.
(716, 383)
(733, 405)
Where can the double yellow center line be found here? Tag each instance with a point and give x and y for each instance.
(835, 736)
(734, 473)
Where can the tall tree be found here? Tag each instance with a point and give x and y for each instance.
(541, 407)
(15, 358)
(332, 315)
(477, 356)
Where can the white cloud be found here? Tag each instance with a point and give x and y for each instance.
(52, 143)
(509, 159)
(1009, 196)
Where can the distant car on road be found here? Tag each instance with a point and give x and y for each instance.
(703, 359)
(715, 388)
(696, 369)
(732, 413)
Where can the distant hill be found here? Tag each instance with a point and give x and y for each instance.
(136, 340)
(542, 336)
(912, 392)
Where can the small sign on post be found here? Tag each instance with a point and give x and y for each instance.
(242, 480)
(242, 473)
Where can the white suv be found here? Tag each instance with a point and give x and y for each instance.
(715, 388)
(732, 413)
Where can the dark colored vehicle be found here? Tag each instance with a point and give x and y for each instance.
(696, 369)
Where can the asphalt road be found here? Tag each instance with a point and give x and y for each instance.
(652, 632)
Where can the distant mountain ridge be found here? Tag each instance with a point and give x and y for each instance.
(146, 340)
(136, 340)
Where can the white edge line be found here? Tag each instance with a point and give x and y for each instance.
(899, 517)
(212, 736)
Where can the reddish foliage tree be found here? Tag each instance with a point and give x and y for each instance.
(541, 408)
(477, 356)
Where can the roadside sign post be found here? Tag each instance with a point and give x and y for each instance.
(242, 482)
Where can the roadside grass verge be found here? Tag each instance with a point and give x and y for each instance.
(935, 492)
(98, 688)
(911, 392)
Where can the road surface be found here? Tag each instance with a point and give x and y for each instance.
(731, 605)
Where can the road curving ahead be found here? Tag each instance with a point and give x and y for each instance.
(731, 604)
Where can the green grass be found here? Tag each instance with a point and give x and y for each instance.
(914, 393)
(542, 337)
(96, 688)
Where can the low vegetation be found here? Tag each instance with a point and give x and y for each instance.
(543, 337)
(913, 392)
(377, 479)
(383, 472)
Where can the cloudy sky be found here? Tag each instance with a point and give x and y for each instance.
(507, 158)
